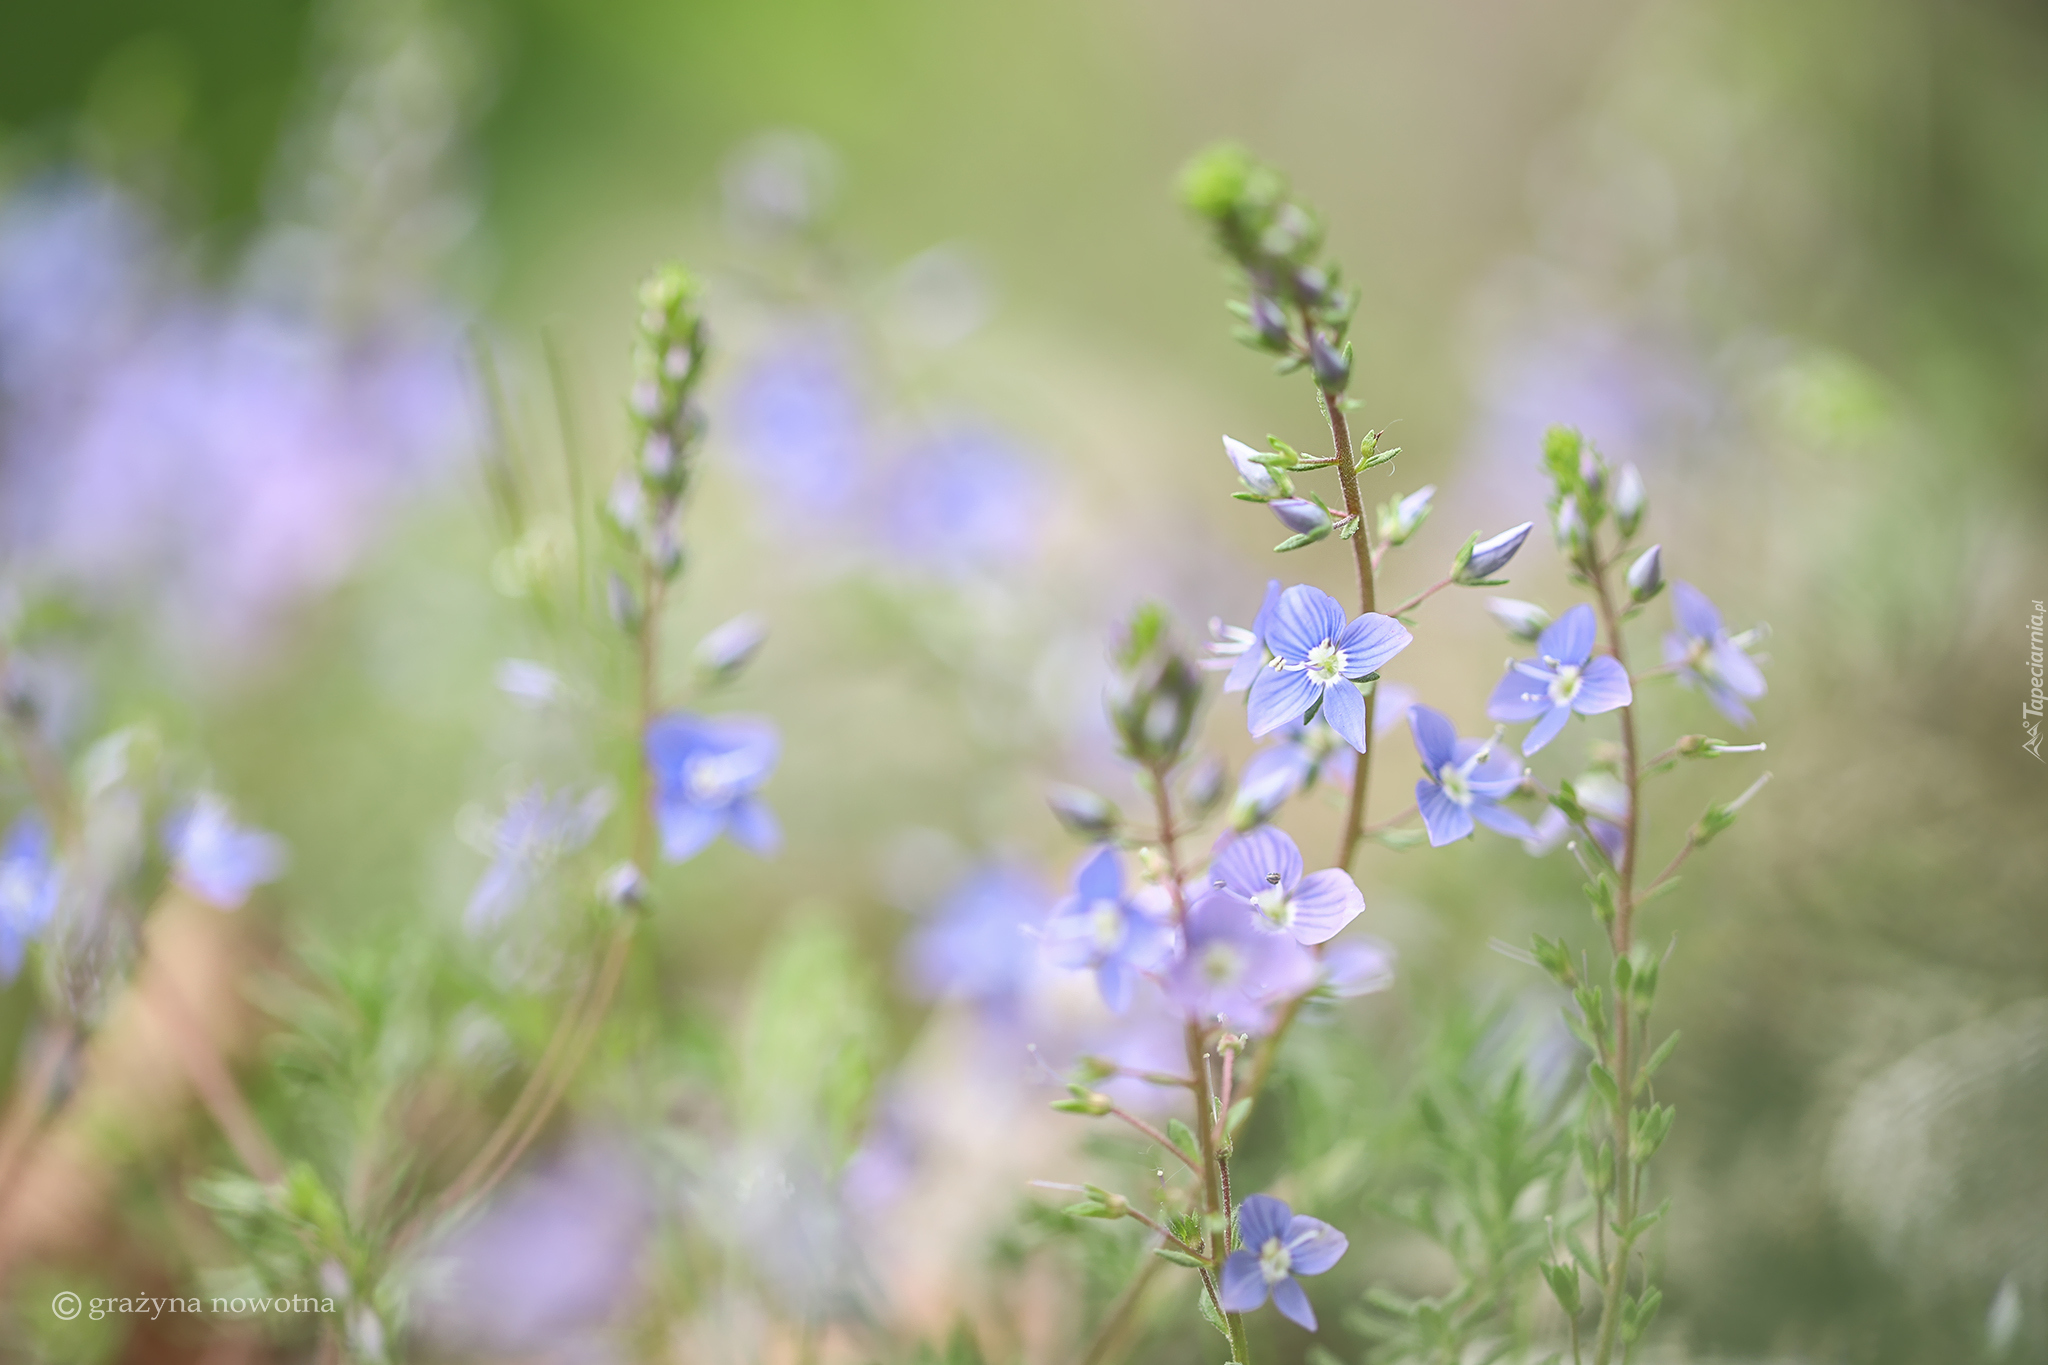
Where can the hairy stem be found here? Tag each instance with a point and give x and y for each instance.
(1362, 557)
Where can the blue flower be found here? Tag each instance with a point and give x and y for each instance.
(1240, 650)
(1606, 804)
(977, 946)
(1316, 655)
(1101, 927)
(536, 832)
(217, 859)
(1706, 658)
(1462, 781)
(1233, 967)
(29, 884)
(964, 497)
(1278, 1245)
(1262, 868)
(705, 774)
(1563, 678)
(1358, 966)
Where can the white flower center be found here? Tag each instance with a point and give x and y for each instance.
(1451, 778)
(1221, 964)
(1275, 1261)
(1275, 906)
(1325, 663)
(1106, 926)
(715, 779)
(1565, 685)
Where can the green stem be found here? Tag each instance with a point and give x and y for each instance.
(1362, 557)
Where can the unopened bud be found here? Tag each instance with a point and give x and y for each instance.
(1270, 323)
(623, 887)
(1332, 367)
(624, 606)
(1592, 473)
(1083, 812)
(1629, 500)
(727, 649)
(1302, 516)
(1523, 620)
(1646, 575)
(1256, 475)
(1401, 519)
(1203, 787)
(1488, 557)
(1568, 526)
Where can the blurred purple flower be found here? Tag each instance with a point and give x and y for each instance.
(1262, 868)
(1240, 650)
(799, 422)
(30, 881)
(1234, 968)
(536, 832)
(1279, 1244)
(979, 944)
(1358, 966)
(962, 498)
(1705, 657)
(1606, 804)
(1102, 928)
(217, 859)
(1563, 678)
(1464, 781)
(1317, 654)
(705, 774)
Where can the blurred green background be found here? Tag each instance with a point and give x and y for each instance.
(1792, 259)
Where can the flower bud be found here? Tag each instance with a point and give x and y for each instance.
(1202, 789)
(658, 456)
(1592, 473)
(1488, 557)
(1646, 575)
(622, 603)
(1153, 692)
(1311, 284)
(1629, 500)
(1270, 323)
(623, 887)
(1302, 516)
(1256, 476)
(626, 506)
(1523, 620)
(1083, 812)
(1401, 519)
(1568, 526)
(1332, 367)
(727, 649)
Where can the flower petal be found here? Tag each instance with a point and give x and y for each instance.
(686, 830)
(1314, 1245)
(1517, 696)
(1545, 730)
(1115, 980)
(1726, 702)
(1436, 739)
(1244, 862)
(1100, 877)
(1603, 687)
(1738, 670)
(1303, 618)
(1358, 966)
(1446, 820)
(754, 827)
(1324, 903)
(1501, 820)
(1244, 1287)
(1277, 698)
(1292, 1301)
(1370, 641)
(1569, 639)
(1695, 615)
(1344, 712)
(1260, 1218)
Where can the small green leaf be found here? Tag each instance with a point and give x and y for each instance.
(1178, 1257)
(1239, 1112)
(1603, 1084)
(1182, 1136)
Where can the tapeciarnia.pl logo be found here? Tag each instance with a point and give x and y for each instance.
(2030, 714)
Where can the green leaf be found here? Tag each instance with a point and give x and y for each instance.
(1603, 1084)
(1182, 1137)
(1647, 1221)
(1211, 1316)
(1564, 1284)
(1657, 1060)
(1239, 1112)
(1179, 1257)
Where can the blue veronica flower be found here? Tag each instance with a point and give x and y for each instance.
(977, 945)
(1563, 677)
(1233, 967)
(217, 859)
(1306, 753)
(1103, 928)
(1278, 1245)
(705, 774)
(536, 832)
(30, 881)
(963, 497)
(1463, 781)
(1316, 655)
(1606, 804)
(1262, 868)
(1706, 658)
(1240, 650)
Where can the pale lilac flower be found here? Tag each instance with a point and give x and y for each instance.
(1279, 1245)
(30, 881)
(217, 859)
(1263, 868)
(1606, 804)
(1705, 657)
(1563, 677)
(980, 943)
(1316, 656)
(706, 771)
(1240, 650)
(1358, 966)
(1463, 781)
(963, 497)
(1234, 968)
(1103, 928)
(798, 419)
(536, 832)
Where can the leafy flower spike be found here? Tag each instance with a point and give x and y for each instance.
(1706, 658)
(1262, 867)
(1279, 1244)
(1102, 928)
(705, 774)
(1464, 781)
(1563, 678)
(1316, 656)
